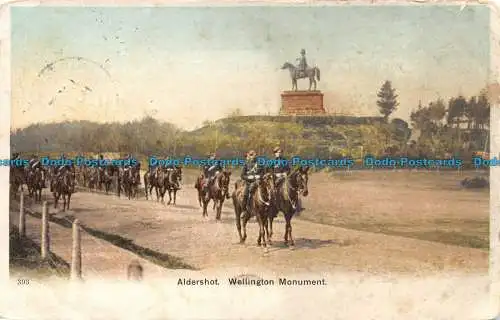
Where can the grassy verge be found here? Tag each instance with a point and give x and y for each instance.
(463, 233)
(25, 260)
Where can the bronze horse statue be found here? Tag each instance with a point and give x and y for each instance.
(217, 191)
(64, 186)
(287, 199)
(261, 202)
(311, 72)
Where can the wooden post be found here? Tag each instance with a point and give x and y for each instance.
(76, 252)
(135, 271)
(45, 231)
(22, 216)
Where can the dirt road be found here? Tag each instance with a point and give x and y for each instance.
(206, 244)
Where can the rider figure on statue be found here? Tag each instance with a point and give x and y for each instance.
(250, 174)
(302, 66)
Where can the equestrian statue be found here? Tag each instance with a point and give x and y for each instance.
(302, 71)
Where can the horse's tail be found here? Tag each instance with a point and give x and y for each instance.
(317, 73)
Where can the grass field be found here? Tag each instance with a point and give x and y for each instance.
(423, 205)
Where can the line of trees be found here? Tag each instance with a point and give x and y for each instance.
(458, 126)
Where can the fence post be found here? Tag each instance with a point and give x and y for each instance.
(76, 252)
(22, 216)
(134, 271)
(45, 231)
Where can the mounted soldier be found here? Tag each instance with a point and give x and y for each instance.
(126, 164)
(100, 167)
(209, 171)
(152, 169)
(281, 167)
(34, 165)
(302, 65)
(62, 170)
(251, 172)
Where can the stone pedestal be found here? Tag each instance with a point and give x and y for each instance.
(302, 103)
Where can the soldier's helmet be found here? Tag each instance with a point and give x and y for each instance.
(303, 51)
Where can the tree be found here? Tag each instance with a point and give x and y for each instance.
(387, 102)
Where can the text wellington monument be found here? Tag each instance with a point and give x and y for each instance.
(304, 102)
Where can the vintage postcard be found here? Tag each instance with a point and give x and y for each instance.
(249, 161)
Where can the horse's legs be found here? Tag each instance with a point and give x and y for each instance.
(205, 205)
(169, 196)
(162, 193)
(175, 196)
(269, 228)
(245, 218)
(69, 199)
(288, 229)
(237, 213)
(56, 199)
(64, 201)
(271, 219)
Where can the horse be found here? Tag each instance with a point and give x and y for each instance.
(131, 179)
(287, 197)
(105, 177)
(295, 74)
(149, 183)
(217, 191)
(36, 183)
(173, 183)
(262, 198)
(17, 179)
(160, 184)
(64, 185)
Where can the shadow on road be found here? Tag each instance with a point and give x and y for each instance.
(158, 258)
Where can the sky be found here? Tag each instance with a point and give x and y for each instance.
(186, 65)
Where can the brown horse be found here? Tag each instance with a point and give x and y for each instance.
(161, 183)
(64, 186)
(217, 191)
(131, 181)
(149, 183)
(17, 179)
(35, 183)
(287, 197)
(174, 180)
(262, 199)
